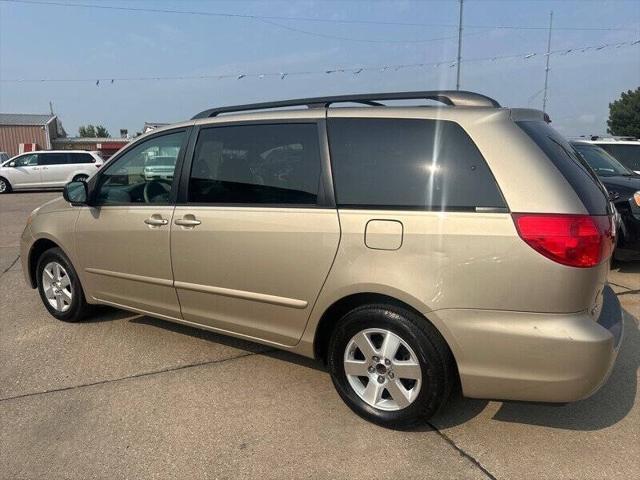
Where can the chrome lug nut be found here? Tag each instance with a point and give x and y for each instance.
(391, 375)
(380, 379)
(376, 358)
(371, 369)
(387, 361)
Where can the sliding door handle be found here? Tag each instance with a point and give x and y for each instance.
(187, 221)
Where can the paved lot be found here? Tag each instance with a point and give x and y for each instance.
(126, 396)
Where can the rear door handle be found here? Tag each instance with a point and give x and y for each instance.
(187, 221)
(156, 221)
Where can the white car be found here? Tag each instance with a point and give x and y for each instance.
(47, 169)
(624, 149)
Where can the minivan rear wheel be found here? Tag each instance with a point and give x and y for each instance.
(390, 365)
(59, 287)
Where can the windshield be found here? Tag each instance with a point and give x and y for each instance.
(603, 163)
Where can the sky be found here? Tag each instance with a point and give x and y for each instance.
(63, 42)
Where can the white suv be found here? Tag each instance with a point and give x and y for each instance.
(47, 169)
(624, 149)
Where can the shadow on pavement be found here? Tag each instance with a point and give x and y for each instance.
(108, 314)
(608, 406)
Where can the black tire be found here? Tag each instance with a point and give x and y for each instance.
(438, 370)
(78, 308)
(7, 186)
(81, 177)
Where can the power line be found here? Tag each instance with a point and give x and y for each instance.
(351, 39)
(354, 70)
(303, 19)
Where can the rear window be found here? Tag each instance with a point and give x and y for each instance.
(575, 169)
(409, 164)
(628, 155)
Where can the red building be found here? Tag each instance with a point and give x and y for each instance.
(20, 132)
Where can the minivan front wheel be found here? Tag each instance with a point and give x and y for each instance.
(390, 365)
(5, 186)
(59, 287)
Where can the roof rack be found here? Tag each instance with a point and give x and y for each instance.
(455, 98)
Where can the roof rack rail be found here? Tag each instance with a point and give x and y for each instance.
(456, 98)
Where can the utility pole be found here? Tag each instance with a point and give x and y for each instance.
(546, 70)
(460, 46)
(51, 107)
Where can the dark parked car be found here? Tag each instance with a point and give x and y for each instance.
(623, 186)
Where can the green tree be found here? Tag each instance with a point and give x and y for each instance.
(87, 131)
(101, 131)
(624, 115)
(93, 131)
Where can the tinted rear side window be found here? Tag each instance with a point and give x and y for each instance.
(256, 164)
(628, 155)
(575, 170)
(409, 164)
(53, 158)
(81, 158)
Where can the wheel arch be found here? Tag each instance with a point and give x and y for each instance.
(37, 249)
(332, 315)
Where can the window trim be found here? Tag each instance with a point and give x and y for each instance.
(325, 198)
(94, 181)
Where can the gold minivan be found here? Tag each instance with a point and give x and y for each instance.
(411, 248)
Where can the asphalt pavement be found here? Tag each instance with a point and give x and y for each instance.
(128, 396)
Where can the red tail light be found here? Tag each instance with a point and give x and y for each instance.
(574, 240)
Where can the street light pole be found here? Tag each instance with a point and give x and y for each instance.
(459, 46)
(546, 70)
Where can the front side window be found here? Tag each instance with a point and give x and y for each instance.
(52, 159)
(256, 164)
(135, 178)
(409, 164)
(27, 161)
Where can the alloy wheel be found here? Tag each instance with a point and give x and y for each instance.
(382, 369)
(57, 288)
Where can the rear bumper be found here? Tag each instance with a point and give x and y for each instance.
(534, 357)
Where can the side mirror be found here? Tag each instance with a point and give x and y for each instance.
(76, 193)
(11, 164)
